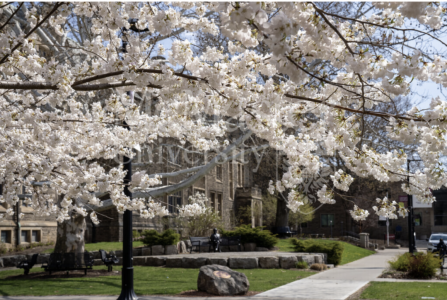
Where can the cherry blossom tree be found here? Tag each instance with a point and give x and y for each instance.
(52, 138)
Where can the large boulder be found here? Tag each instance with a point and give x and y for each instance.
(243, 262)
(222, 281)
(181, 247)
(309, 259)
(139, 261)
(136, 251)
(1, 263)
(174, 262)
(217, 261)
(249, 247)
(12, 261)
(155, 261)
(158, 250)
(146, 251)
(288, 262)
(193, 262)
(261, 249)
(269, 262)
(171, 249)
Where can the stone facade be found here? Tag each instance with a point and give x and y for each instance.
(29, 229)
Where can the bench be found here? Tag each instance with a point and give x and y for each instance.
(231, 241)
(199, 242)
(108, 260)
(69, 262)
(283, 231)
(26, 265)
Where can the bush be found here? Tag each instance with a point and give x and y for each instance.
(3, 248)
(168, 237)
(334, 250)
(136, 234)
(259, 236)
(401, 262)
(419, 265)
(318, 267)
(302, 265)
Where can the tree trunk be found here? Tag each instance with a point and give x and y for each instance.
(282, 213)
(70, 235)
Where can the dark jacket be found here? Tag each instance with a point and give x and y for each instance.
(441, 247)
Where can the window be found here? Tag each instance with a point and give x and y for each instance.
(200, 191)
(230, 180)
(240, 175)
(213, 201)
(174, 200)
(6, 236)
(219, 172)
(219, 204)
(24, 236)
(440, 209)
(327, 220)
(35, 236)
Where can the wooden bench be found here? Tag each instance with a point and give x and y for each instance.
(26, 265)
(231, 241)
(199, 242)
(69, 262)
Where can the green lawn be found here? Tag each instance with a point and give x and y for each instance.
(350, 254)
(148, 281)
(404, 290)
(107, 246)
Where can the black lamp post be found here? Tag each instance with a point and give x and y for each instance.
(411, 237)
(127, 291)
(331, 227)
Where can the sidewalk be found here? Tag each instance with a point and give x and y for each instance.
(338, 283)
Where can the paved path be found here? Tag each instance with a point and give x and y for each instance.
(338, 283)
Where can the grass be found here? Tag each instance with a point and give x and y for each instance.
(404, 290)
(148, 281)
(107, 246)
(350, 254)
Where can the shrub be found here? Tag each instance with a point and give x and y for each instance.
(259, 236)
(419, 265)
(334, 250)
(302, 265)
(401, 262)
(318, 267)
(19, 248)
(168, 237)
(136, 234)
(3, 248)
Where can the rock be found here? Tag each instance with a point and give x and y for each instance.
(261, 249)
(249, 247)
(136, 252)
(171, 249)
(146, 251)
(217, 261)
(318, 259)
(323, 255)
(222, 281)
(156, 261)
(174, 262)
(139, 261)
(119, 253)
(382, 247)
(158, 250)
(224, 248)
(270, 262)
(43, 258)
(98, 262)
(288, 262)
(187, 243)
(12, 261)
(243, 262)
(95, 255)
(1, 263)
(309, 259)
(181, 247)
(274, 248)
(193, 262)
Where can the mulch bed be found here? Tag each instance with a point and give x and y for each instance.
(71, 274)
(194, 293)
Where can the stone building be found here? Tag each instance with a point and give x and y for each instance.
(229, 186)
(337, 220)
(29, 229)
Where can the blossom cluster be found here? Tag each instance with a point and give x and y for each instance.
(359, 214)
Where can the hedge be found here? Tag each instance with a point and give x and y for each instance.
(168, 237)
(333, 250)
(259, 236)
